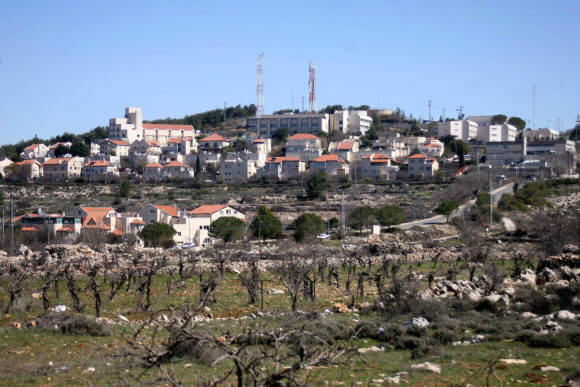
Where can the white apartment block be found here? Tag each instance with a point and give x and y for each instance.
(497, 133)
(61, 169)
(304, 146)
(131, 128)
(268, 125)
(115, 147)
(541, 134)
(460, 129)
(237, 169)
(350, 121)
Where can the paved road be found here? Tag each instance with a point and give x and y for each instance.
(441, 219)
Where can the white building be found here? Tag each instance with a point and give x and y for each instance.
(34, 151)
(5, 165)
(268, 125)
(331, 164)
(497, 133)
(541, 134)
(460, 129)
(131, 128)
(115, 147)
(432, 148)
(283, 168)
(62, 169)
(204, 216)
(347, 150)
(304, 146)
(184, 146)
(213, 143)
(378, 165)
(421, 165)
(99, 170)
(238, 167)
(149, 147)
(28, 169)
(351, 121)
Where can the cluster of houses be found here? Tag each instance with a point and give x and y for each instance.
(87, 222)
(161, 152)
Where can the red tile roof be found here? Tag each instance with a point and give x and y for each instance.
(97, 163)
(324, 158)
(433, 145)
(117, 232)
(174, 164)
(168, 126)
(420, 156)
(56, 161)
(30, 148)
(258, 141)
(208, 209)
(30, 229)
(152, 143)
(95, 217)
(279, 159)
(346, 146)
(66, 229)
(174, 140)
(169, 209)
(138, 221)
(118, 142)
(303, 136)
(154, 165)
(28, 162)
(213, 137)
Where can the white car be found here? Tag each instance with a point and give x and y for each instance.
(323, 236)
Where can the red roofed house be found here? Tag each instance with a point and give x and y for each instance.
(283, 168)
(214, 142)
(62, 169)
(99, 170)
(433, 148)
(203, 216)
(378, 165)
(184, 146)
(153, 172)
(181, 223)
(178, 170)
(346, 150)
(105, 220)
(115, 147)
(29, 169)
(59, 225)
(421, 165)
(331, 164)
(34, 151)
(304, 146)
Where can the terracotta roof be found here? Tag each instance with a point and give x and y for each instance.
(258, 141)
(30, 148)
(208, 209)
(174, 140)
(303, 136)
(30, 229)
(152, 143)
(95, 217)
(279, 159)
(169, 209)
(97, 163)
(379, 158)
(168, 126)
(420, 156)
(174, 164)
(118, 142)
(56, 161)
(329, 158)
(66, 229)
(138, 221)
(28, 162)
(213, 137)
(346, 146)
(154, 165)
(433, 145)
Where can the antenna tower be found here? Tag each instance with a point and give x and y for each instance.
(429, 107)
(577, 119)
(534, 107)
(302, 111)
(312, 88)
(259, 87)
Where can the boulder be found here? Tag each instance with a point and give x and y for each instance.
(371, 349)
(549, 369)
(548, 275)
(421, 322)
(340, 308)
(528, 315)
(59, 308)
(276, 291)
(565, 315)
(428, 367)
(513, 361)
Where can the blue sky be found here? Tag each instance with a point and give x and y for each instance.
(72, 65)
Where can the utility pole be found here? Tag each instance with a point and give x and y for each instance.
(3, 228)
(342, 225)
(11, 225)
(490, 203)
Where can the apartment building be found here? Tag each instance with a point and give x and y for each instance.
(378, 165)
(461, 129)
(421, 165)
(330, 164)
(268, 125)
(28, 169)
(115, 147)
(99, 170)
(238, 167)
(497, 133)
(62, 169)
(283, 168)
(303, 146)
(350, 122)
(34, 151)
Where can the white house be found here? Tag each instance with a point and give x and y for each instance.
(213, 143)
(421, 165)
(98, 170)
(236, 168)
(432, 148)
(331, 164)
(304, 146)
(203, 216)
(115, 147)
(378, 165)
(61, 169)
(283, 168)
(29, 169)
(34, 151)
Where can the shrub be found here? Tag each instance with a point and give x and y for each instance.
(533, 300)
(84, 325)
(445, 336)
(551, 340)
(416, 331)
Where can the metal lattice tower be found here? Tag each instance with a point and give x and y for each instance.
(534, 107)
(429, 107)
(259, 87)
(312, 88)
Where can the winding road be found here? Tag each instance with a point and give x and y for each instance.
(441, 219)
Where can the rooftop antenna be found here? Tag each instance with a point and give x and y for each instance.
(460, 114)
(302, 104)
(577, 119)
(225, 112)
(259, 87)
(312, 88)
(443, 114)
(534, 107)
(429, 107)
(292, 98)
